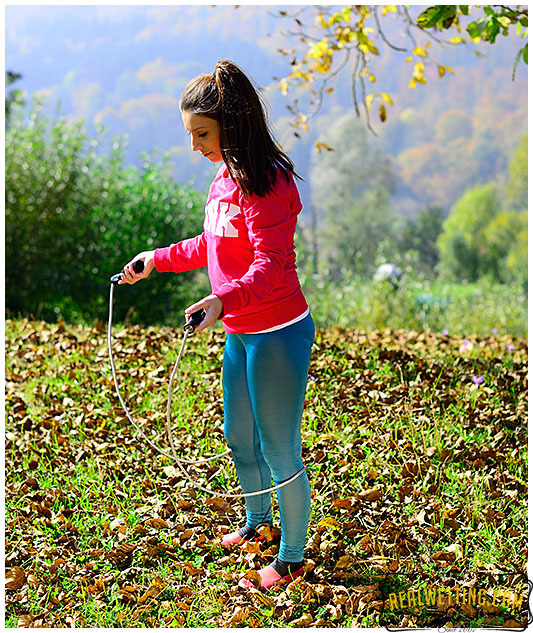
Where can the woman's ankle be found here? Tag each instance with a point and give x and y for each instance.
(284, 568)
(247, 532)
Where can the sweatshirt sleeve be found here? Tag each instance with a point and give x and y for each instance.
(269, 223)
(185, 255)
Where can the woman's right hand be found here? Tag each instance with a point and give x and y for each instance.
(129, 276)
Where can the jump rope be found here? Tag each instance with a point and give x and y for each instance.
(193, 322)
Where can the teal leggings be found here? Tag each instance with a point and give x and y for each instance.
(264, 380)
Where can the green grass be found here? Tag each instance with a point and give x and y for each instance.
(395, 411)
(462, 309)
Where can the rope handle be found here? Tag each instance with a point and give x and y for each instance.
(138, 267)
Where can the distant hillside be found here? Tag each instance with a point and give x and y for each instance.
(124, 67)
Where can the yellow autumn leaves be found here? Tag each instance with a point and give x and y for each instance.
(419, 69)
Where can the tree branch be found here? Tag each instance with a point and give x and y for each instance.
(383, 37)
(354, 83)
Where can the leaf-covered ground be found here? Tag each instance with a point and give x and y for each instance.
(416, 451)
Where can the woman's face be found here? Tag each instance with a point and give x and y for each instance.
(205, 135)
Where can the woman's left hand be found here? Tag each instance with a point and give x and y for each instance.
(213, 307)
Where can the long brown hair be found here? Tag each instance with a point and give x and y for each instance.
(247, 145)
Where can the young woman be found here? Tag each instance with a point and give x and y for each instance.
(248, 248)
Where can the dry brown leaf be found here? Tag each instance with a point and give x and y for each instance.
(511, 624)
(410, 469)
(24, 621)
(449, 557)
(451, 513)
(352, 604)
(239, 615)
(15, 578)
(157, 522)
(116, 523)
(491, 609)
(334, 612)
(345, 504)
(193, 571)
(185, 535)
(304, 621)
(125, 549)
(262, 599)
(265, 531)
(344, 562)
(372, 494)
(219, 505)
(253, 576)
(457, 549)
(59, 562)
(251, 547)
(155, 590)
(394, 565)
(33, 581)
(185, 591)
(321, 623)
(128, 596)
(452, 523)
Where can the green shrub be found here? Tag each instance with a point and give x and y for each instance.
(74, 217)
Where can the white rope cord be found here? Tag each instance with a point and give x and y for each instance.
(179, 461)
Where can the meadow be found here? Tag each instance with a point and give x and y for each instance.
(464, 309)
(415, 443)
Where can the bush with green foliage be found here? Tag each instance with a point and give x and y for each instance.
(482, 239)
(485, 234)
(75, 216)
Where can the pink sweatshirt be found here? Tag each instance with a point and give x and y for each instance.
(248, 248)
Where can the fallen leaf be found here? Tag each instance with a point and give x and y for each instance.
(304, 621)
(265, 531)
(512, 624)
(158, 523)
(251, 547)
(253, 576)
(344, 562)
(116, 523)
(345, 504)
(155, 590)
(193, 571)
(15, 578)
(262, 599)
(329, 522)
(394, 565)
(58, 562)
(444, 556)
(24, 621)
(219, 505)
(372, 494)
(239, 615)
(125, 549)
